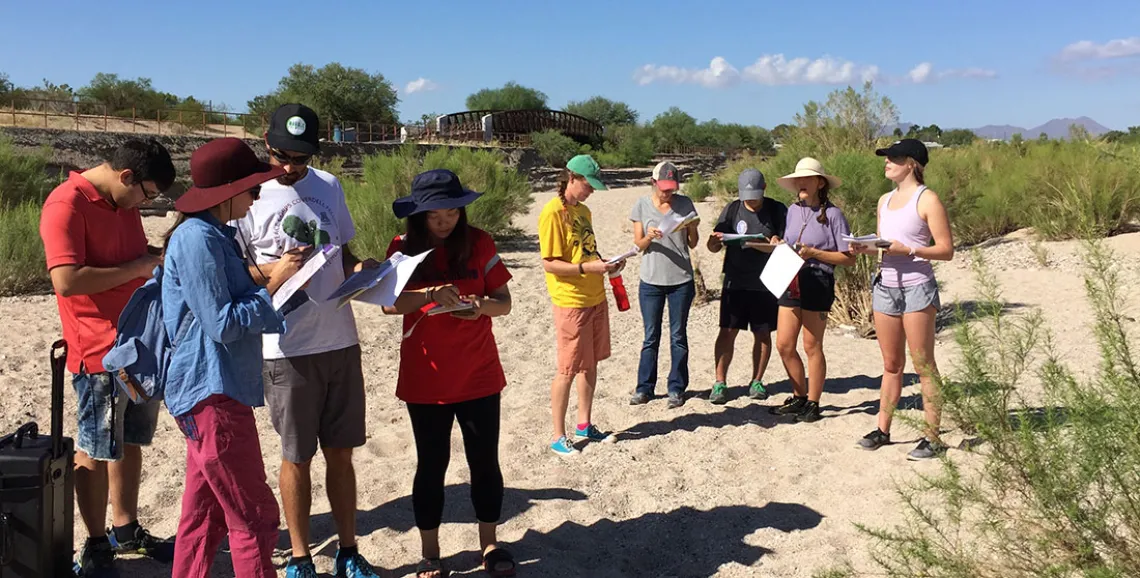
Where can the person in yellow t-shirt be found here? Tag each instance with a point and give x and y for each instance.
(575, 278)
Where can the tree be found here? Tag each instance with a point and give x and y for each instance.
(335, 92)
(1078, 133)
(898, 133)
(958, 137)
(5, 85)
(512, 96)
(849, 119)
(782, 131)
(122, 97)
(603, 111)
(674, 128)
(1043, 137)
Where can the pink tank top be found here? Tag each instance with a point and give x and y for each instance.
(906, 226)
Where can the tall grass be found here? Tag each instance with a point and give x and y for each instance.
(1056, 490)
(697, 188)
(506, 192)
(24, 184)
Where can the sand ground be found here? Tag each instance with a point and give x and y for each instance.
(697, 491)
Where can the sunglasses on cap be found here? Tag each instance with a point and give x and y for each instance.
(286, 158)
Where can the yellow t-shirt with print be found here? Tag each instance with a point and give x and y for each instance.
(567, 233)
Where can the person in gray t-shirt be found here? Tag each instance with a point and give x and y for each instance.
(666, 277)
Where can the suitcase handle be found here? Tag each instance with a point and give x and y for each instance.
(58, 366)
(7, 553)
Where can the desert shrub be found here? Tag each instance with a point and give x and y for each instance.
(697, 188)
(506, 193)
(22, 265)
(1054, 488)
(1085, 191)
(335, 166)
(554, 147)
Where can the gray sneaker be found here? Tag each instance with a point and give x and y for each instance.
(719, 393)
(926, 450)
(676, 400)
(640, 399)
(875, 440)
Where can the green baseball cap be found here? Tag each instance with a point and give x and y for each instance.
(586, 166)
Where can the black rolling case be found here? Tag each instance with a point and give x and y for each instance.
(37, 488)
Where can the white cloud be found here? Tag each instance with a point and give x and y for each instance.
(778, 70)
(1088, 50)
(925, 73)
(420, 85)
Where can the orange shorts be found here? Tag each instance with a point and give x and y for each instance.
(583, 337)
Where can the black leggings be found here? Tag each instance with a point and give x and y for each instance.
(479, 422)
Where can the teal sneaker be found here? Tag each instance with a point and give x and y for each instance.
(756, 390)
(353, 565)
(719, 394)
(594, 434)
(562, 447)
(304, 569)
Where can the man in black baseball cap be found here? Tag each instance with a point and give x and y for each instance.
(293, 138)
(906, 148)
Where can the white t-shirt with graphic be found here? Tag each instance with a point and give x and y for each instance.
(312, 211)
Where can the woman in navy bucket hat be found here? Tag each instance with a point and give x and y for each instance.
(449, 363)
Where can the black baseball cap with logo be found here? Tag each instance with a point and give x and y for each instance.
(907, 147)
(294, 128)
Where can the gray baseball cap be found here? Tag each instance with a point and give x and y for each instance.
(751, 185)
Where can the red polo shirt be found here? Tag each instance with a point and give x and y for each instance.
(447, 359)
(81, 228)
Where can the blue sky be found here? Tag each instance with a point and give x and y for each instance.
(966, 63)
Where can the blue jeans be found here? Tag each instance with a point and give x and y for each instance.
(652, 299)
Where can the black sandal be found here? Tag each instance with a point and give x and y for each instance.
(492, 559)
(431, 566)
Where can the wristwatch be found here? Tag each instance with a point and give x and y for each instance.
(581, 271)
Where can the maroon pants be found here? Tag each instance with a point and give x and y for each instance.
(225, 493)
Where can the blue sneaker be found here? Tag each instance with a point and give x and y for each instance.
(594, 434)
(354, 566)
(301, 570)
(562, 447)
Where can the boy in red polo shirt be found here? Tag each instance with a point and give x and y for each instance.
(97, 256)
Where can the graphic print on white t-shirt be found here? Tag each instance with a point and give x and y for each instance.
(311, 212)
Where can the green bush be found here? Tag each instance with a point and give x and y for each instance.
(554, 147)
(506, 193)
(697, 188)
(23, 177)
(1054, 487)
(22, 265)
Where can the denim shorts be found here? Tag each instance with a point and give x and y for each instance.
(108, 420)
(895, 301)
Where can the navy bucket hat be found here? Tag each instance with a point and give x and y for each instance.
(434, 190)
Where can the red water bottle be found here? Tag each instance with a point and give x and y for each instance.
(619, 291)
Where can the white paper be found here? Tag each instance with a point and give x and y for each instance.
(631, 253)
(672, 221)
(315, 263)
(869, 240)
(389, 288)
(782, 267)
(361, 281)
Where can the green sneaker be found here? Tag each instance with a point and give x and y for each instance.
(756, 390)
(719, 394)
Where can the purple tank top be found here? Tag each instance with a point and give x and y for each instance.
(906, 226)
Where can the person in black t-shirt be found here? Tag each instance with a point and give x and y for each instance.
(745, 303)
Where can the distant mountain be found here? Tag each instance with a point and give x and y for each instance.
(1003, 132)
(1058, 128)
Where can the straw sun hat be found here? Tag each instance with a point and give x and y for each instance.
(808, 167)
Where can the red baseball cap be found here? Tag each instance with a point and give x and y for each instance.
(666, 176)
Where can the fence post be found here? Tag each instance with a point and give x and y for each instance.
(104, 118)
(134, 123)
(158, 119)
(224, 119)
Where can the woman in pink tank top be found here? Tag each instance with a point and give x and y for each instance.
(905, 293)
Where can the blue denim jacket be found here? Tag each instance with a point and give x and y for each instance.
(205, 276)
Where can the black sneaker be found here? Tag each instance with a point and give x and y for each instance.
(926, 450)
(875, 440)
(640, 399)
(144, 544)
(809, 413)
(792, 405)
(97, 560)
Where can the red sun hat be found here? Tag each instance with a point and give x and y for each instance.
(222, 169)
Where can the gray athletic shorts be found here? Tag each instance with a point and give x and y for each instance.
(313, 398)
(895, 301)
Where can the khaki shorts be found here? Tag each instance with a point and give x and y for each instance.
(313, 398)
(583, 337)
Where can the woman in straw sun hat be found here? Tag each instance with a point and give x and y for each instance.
(905, 293)
(815, 229)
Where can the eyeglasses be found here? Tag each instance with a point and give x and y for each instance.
(298, 160)
(147, 194)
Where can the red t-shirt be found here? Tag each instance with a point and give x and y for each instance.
(79, 227)
(447, 359)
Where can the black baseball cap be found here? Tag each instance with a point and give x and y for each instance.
(907, 147)
(294, 128)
